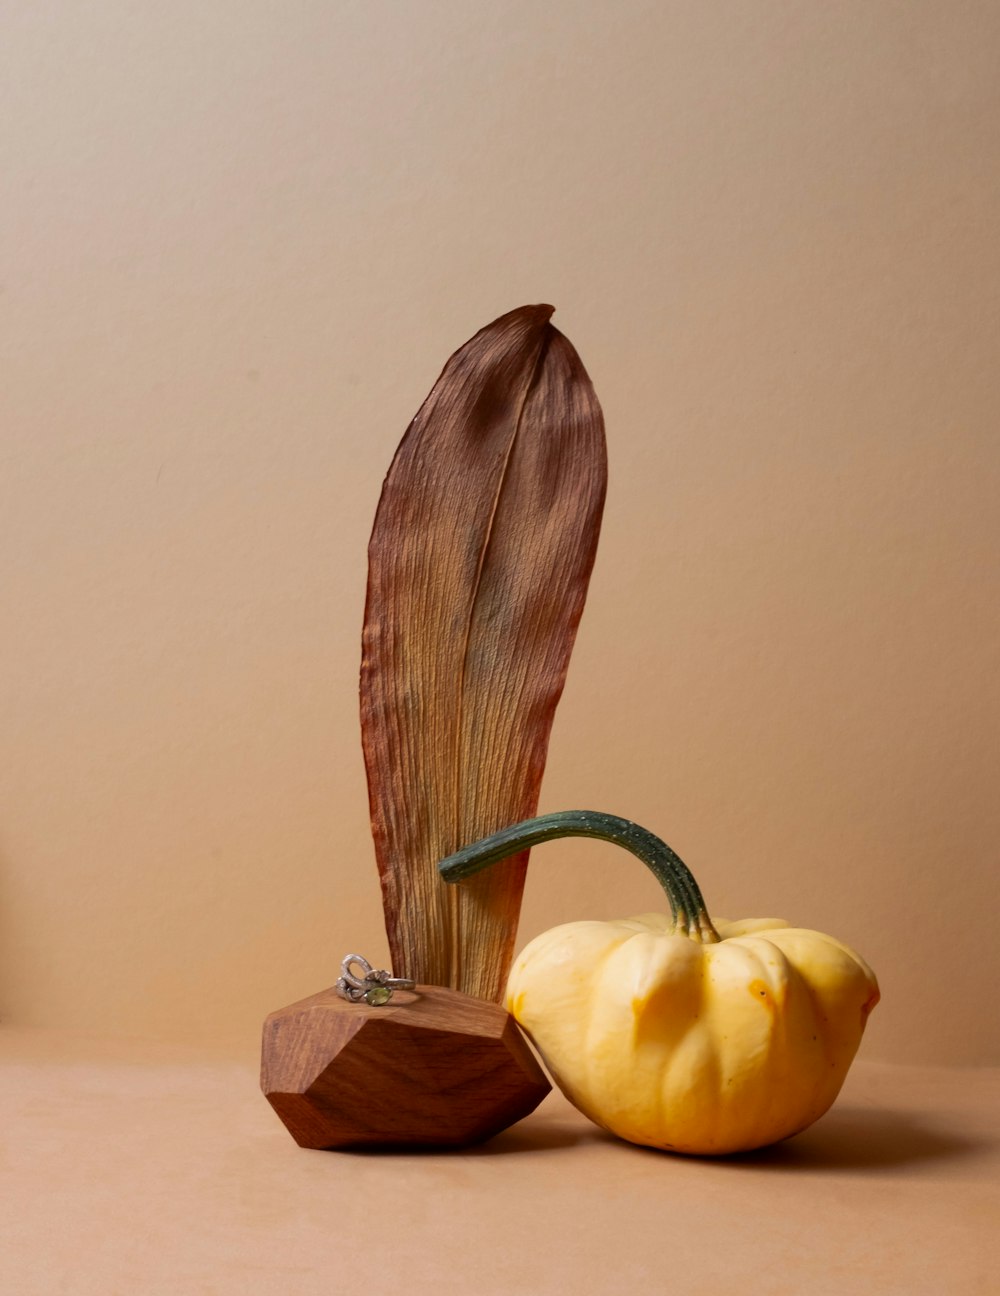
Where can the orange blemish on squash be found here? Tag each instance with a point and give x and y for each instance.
(760, 990)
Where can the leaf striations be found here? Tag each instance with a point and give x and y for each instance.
(479, 561)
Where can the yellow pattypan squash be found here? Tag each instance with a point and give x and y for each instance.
(676, 1031)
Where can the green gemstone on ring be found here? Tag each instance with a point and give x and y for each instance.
(377, 995)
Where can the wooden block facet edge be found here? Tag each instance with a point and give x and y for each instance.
(433, 1068)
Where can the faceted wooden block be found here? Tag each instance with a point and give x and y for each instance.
(433, 1068)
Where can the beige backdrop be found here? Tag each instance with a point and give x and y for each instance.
(240, 239)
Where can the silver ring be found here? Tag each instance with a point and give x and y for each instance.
(374, 987)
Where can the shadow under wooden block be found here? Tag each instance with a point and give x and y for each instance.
(433, 1068)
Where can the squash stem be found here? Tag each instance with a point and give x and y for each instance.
(686, 903)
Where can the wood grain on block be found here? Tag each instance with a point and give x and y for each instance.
(433, 1068)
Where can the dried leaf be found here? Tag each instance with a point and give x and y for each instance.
(479, 560)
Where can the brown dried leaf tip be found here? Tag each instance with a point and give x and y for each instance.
(479, 561)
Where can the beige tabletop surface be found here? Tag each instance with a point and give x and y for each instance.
(153, 1170)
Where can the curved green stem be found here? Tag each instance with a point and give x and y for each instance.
(686, 903)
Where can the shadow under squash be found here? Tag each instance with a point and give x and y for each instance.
(861, 1138)
(844, 1140)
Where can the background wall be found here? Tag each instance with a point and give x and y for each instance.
(238, 242)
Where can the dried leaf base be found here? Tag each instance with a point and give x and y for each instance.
(433, 1068)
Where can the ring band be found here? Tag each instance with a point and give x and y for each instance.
(374, 987)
